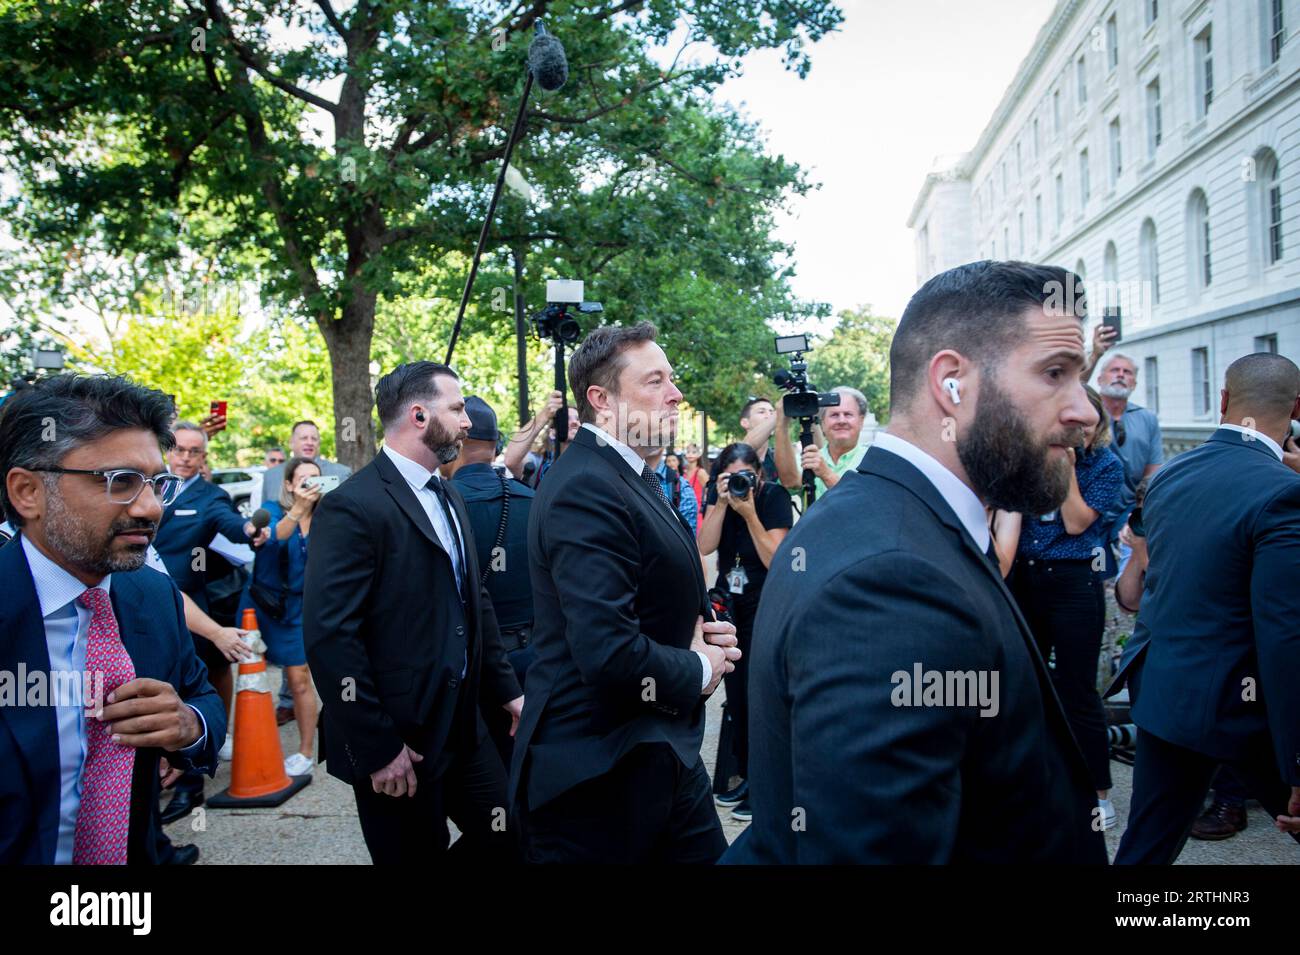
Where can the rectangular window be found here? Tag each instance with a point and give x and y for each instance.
(1004, 179)
(1155, 121)
(1266, 343)
(1037, 144)
(1277, 32)
(1081, 82)
(1038, 218)
(1152, 10)
(1006, 242)
(1020, 225)
(1151, 373)
(1116, 152)
(1085, 181)
(1274, 223)
(1060, 200)
(1204, 73)
(1200, 381)
(1020, 171)
(1056, 112)
(1112, 42)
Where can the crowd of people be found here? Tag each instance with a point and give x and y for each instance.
(516, 632)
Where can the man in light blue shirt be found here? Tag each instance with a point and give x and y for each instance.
(86, 505)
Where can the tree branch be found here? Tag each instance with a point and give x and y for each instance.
(332, 17)
(250, 59)
(628, 5)
(579, 120)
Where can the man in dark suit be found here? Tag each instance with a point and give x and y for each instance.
(904, 711)
(1214, 664)
(607, 758)
(402, 638)
(79, 609)
(200, 512)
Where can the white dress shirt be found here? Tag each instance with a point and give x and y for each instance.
(637, 464)
(67, 628)
(1250, 434)
(417, 476)
(968, 508)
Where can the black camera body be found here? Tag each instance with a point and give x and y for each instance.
(741, 483)
(801, 399)
(554, 321)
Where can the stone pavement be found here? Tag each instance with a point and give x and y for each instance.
(319, 825)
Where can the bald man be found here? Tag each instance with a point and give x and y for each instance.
(1214, 662)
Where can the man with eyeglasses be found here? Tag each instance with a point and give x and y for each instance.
(200, 512)
(114, 697)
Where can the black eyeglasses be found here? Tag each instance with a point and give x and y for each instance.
(1119, 432)
(124, 484)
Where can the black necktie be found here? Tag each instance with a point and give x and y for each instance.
(435, 485)
(991, 552)
(656, 488)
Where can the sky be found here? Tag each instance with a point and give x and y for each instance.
(901, 83)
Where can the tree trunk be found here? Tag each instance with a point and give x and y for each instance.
(348, 340)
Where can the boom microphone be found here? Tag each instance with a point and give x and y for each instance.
(546, 60)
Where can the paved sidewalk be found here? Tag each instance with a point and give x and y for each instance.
(319, 825)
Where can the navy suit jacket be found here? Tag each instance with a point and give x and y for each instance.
(1215, 651)
(881, 577)
(151, 621)
(180, 531)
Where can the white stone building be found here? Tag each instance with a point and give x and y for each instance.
(1153, 146)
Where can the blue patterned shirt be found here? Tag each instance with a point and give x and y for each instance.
(1101, 480)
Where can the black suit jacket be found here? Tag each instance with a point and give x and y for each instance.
(190, 521)
(1221, 606)
(617, 586)
(151, 623)
(879, 577)
(386, 634)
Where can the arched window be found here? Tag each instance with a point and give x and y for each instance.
(1198, 235)
(1110, 276)
(1149, 260)
(1268, 186)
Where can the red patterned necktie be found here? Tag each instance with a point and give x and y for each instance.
(104, 817)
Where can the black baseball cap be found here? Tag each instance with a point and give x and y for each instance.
(482, 419)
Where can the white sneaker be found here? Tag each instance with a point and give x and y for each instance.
(1107, 813)
(299, 765)
(227, 751)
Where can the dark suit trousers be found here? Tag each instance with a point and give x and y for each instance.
(1169, 787)
(648, 808)
(405, 830)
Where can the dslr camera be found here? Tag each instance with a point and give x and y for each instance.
(739, 484)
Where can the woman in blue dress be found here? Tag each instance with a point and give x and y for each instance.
(277, 583)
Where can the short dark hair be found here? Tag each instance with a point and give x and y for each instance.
(977, 309)
(74, 410)
(745, 408)
(299, 424)
(599, 361)
(413, 381)
(1264, 383)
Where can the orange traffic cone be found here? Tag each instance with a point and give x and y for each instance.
(257, 776)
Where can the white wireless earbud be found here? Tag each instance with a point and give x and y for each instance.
(954, 389)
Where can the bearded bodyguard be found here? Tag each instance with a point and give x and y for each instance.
(402, 639)
(905, 713)
(607, 761)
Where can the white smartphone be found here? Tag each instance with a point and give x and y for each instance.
(326, 482)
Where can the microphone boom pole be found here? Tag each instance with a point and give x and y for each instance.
(515, 132)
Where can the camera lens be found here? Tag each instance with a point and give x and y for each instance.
(740, 483)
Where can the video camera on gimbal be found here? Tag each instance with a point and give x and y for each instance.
(555, 323)
(802, 400)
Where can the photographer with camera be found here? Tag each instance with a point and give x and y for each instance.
(841, 424)
(745, 532)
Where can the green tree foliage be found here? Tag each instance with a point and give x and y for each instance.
(856, 353)
(343, 154)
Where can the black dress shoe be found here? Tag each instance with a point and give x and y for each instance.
(735, 796)
(183, 855)
(182, 805)
(1220, 821)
